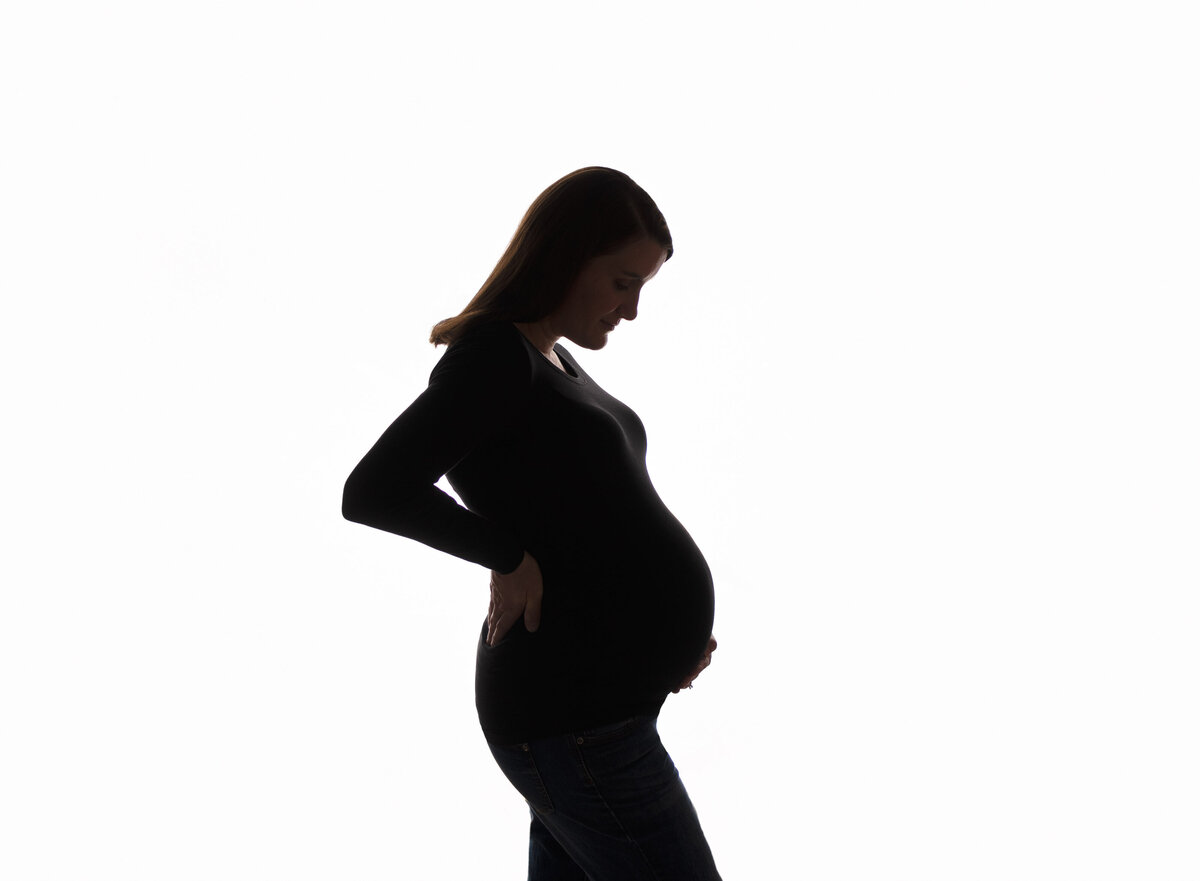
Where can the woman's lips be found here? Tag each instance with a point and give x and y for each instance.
(610, 325)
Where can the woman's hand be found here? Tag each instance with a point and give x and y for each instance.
(513, 595)
(704, 662)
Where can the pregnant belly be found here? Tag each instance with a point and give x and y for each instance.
(678, 621)
(647, 620)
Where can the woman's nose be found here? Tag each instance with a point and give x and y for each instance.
(629, 307)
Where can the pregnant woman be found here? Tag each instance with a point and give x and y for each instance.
(601, 603)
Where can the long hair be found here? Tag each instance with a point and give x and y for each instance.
(589, 213)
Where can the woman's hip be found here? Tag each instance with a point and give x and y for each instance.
(613, 798)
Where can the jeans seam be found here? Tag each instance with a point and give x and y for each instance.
(537, 776)
(604, 801)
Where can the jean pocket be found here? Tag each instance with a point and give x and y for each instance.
(518, 765)
(607, 733)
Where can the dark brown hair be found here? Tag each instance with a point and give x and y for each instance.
(589, 213)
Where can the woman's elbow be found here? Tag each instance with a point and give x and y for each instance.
(383, 503)
(356, 502)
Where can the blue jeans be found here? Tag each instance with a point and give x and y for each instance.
(607, 805)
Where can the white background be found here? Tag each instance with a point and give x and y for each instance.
(920, 381)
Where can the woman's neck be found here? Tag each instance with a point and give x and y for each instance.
(537, 333)
(543, 340)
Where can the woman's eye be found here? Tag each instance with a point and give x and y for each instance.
(620, 285)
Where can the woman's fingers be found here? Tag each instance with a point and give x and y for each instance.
(496, 606)
(493, 613)
(700, 667)
(531, 598)
(515, 594)
(503, 624)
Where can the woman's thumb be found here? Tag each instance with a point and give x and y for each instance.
(533, 612)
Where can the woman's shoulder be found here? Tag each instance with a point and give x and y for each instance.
(492, 353)
(491, 332)
(498, 339)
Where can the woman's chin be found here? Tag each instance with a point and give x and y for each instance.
(592, 341)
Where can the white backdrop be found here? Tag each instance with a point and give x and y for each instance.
(920, 380)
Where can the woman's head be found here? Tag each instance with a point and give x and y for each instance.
(589, 213)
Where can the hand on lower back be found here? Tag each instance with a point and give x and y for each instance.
(514, 596)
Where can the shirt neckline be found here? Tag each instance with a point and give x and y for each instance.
(573, 372)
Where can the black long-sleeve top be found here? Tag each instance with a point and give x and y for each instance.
(547, 462)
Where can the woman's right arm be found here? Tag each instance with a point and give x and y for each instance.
(480, 385)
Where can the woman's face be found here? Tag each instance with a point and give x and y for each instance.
(606, 292)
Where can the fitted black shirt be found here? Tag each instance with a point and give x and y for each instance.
(546, 461)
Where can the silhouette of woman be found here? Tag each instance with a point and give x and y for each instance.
(601, 604)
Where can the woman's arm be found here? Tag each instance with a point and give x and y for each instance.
(480, 385)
